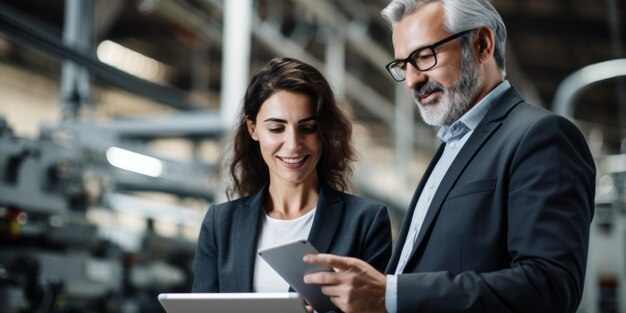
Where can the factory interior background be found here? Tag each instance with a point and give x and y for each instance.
(114, 115)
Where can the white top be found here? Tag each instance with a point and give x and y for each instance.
(276, 232)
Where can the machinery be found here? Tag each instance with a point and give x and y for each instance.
(52, 259)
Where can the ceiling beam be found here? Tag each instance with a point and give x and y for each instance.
(26, 31)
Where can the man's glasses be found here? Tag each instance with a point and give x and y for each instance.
(422, 59)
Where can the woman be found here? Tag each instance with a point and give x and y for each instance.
(291, 157)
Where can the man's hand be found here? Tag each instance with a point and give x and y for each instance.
(355, 286)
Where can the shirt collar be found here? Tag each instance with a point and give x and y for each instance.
(471, 118)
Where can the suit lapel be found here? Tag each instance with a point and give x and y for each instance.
(490, 123)
(247, 224)
(327, 218)
(406, 223)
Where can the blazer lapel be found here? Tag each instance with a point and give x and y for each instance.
(490, 123)
(327, 217)
(247, 222)
(406, 223)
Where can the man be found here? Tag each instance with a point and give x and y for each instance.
(500, 221)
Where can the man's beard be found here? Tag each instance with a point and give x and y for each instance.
(456, 99)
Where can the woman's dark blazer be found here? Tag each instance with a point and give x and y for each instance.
(344, 224)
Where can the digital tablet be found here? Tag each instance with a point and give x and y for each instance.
(282, 302)
(287, 261)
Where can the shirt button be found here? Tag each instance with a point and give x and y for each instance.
(453, 145)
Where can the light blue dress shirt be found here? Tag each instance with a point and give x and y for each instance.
(454, 138)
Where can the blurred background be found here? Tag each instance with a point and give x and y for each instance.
(114, 114)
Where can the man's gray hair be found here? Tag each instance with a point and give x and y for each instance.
(460, 15)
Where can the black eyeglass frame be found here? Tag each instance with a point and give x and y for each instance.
(411, 60)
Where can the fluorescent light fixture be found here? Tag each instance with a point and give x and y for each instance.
(131, 61)
(134, 162)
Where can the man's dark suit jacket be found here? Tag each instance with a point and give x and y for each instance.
(508, 229)
(343, 224)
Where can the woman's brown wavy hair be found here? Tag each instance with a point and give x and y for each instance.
(248, 170)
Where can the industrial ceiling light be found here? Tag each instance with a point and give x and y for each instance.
(134, 162)
(131, 61)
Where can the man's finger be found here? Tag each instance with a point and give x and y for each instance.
(322, 278)
(334, 261)
(333, 291)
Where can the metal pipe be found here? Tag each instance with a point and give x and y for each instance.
(75, 78)
(236, 57)
(576, 82)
